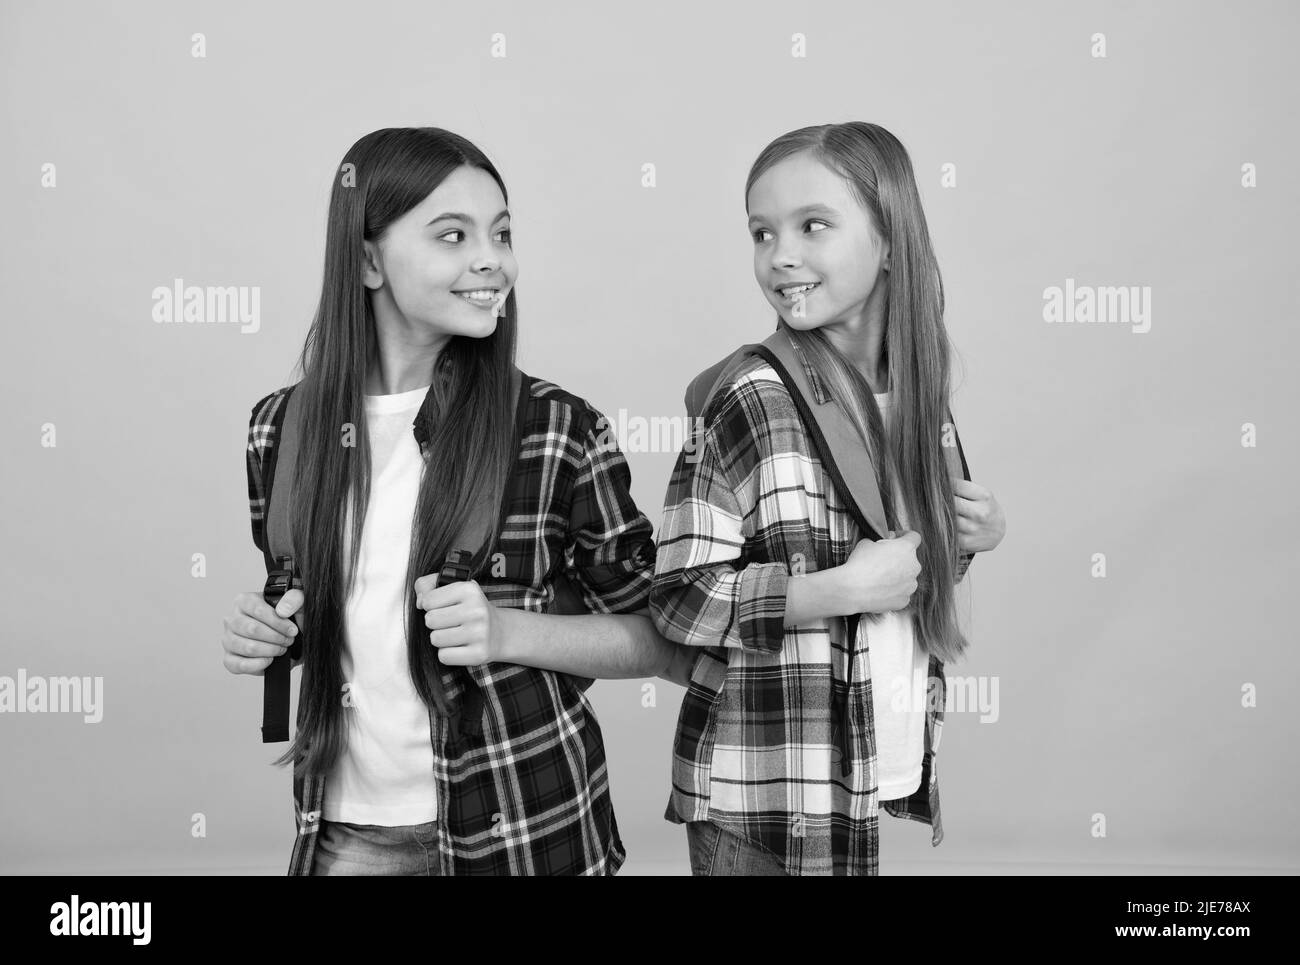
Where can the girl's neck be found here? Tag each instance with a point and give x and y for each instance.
(398, 361)
(864, 349)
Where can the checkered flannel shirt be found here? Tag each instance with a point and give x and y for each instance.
(753, 752)
(531, 794)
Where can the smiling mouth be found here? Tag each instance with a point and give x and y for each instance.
(791, 292)
(479, 295)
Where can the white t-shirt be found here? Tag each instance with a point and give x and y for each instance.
(898, 684)
(385, 775)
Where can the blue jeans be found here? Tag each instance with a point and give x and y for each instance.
(372, 849)
(717, 852)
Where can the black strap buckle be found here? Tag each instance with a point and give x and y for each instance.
(275, 686)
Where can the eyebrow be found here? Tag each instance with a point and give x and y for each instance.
(458, 216)
(806, 209)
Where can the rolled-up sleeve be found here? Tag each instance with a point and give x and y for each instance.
(704, 594)
(610, 546)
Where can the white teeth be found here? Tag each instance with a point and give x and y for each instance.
(482, 295)
(798, 289)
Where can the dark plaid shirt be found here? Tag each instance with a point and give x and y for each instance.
(530, 795)
(753, 752)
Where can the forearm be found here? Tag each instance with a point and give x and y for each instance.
(816, 596)
(599, 645)
(827, 593)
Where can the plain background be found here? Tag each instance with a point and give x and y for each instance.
(1118, 696)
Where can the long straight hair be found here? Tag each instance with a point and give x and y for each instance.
(916, 346)
(467, 413)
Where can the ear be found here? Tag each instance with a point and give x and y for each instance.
(884, 255)
(373, 272)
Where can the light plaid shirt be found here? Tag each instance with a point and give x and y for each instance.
(530, 795)
(753, 751)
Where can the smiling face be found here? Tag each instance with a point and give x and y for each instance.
(808, 229)
(446, 266)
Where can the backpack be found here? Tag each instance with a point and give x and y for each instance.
(283, 572)
(839, 447)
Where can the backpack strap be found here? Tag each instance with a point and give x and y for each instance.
(279, 484)
(282, 573)
(484, 518)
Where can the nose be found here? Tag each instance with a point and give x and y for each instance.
(785, 254)
(486, 259)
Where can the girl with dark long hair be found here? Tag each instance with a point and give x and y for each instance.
(443, 729)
